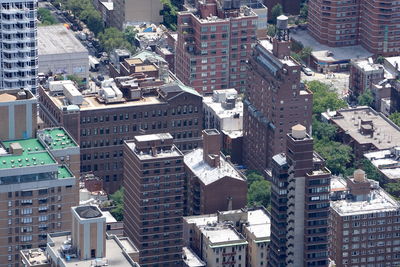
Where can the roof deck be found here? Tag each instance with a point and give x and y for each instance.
(57, 138)
(33, 154)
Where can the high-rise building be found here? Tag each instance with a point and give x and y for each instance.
(275, 99)
(214, 43)
(18, 44)
(364, 223)
(130, 106)
(211, 182)
(299, 204)
(87, 244)
(153, 183)
(367, 22)
(36, 192)
(18, 114)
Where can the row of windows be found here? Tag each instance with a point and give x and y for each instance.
(186, 109)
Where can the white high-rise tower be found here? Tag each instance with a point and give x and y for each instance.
(18, 44)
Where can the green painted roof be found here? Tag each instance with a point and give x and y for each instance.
(63, 172)
(60, 138)
(34, 154)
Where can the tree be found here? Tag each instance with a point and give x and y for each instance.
(304, 11)
(323, 130)
(118, 201)
(113, 38)
(395, 118)
(259, 193)
(169, 13)
(93, 20)
(324, 98)
(130, 34)
(45, 16)
(393, 189)
(380, 60)
(271, 30)
(338, 156)
(366, 98)
(253, 176)
(305, 54)
(296, 46)
(276, 11)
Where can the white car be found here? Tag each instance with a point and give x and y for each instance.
(307, 71)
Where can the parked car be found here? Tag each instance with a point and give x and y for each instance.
(307, 71)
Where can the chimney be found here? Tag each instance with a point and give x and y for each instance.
(211, 147)
(230, 203)
(89, 232)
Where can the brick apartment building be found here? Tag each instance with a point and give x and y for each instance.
(214, 42)
(153, 182)
(365, 223)
(299, 204)
(212, 183)
(369, 23)
(37, 190)
(275, 100)
(101, 121)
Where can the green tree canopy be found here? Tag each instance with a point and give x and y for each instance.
(253, 176)
(113, 38)
(324, 98)
(118, 201)
(45, 16)
(395, 118)
(393, 189)
(276, 11)
(271, 30)
(130, 34)
(259, 193)
(338, 156)
(370, 170)
(169, 13)
(366, 98)
(323, 130)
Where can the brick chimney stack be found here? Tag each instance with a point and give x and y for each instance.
(211, 147)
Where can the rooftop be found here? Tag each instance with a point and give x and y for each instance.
(153, 137)
(115, 251)
(385, 133)
(367, 64)
(63, 173)
(267, 44)
(57, 138)
(65, 42)
(206, 173)
(379, 201)
(222, 234)
(160, 153)
(387, 161)
(191, 259)
(320, 51)
(88, 212)
(259, 223)
(33, 154)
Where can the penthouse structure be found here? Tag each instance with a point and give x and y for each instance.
(153, 182)
(299, 204)
(346, 23)
(364, 223)
(387, 161)
(275, 99)
(18, 42)
(214, 42)
(211, 182)
(87, 244)
(127, 106)
(249, 228)
(224, 112)
(18, 114)
(365, 130)
(37, 190)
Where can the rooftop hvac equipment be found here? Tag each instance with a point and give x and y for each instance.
(72, 93)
